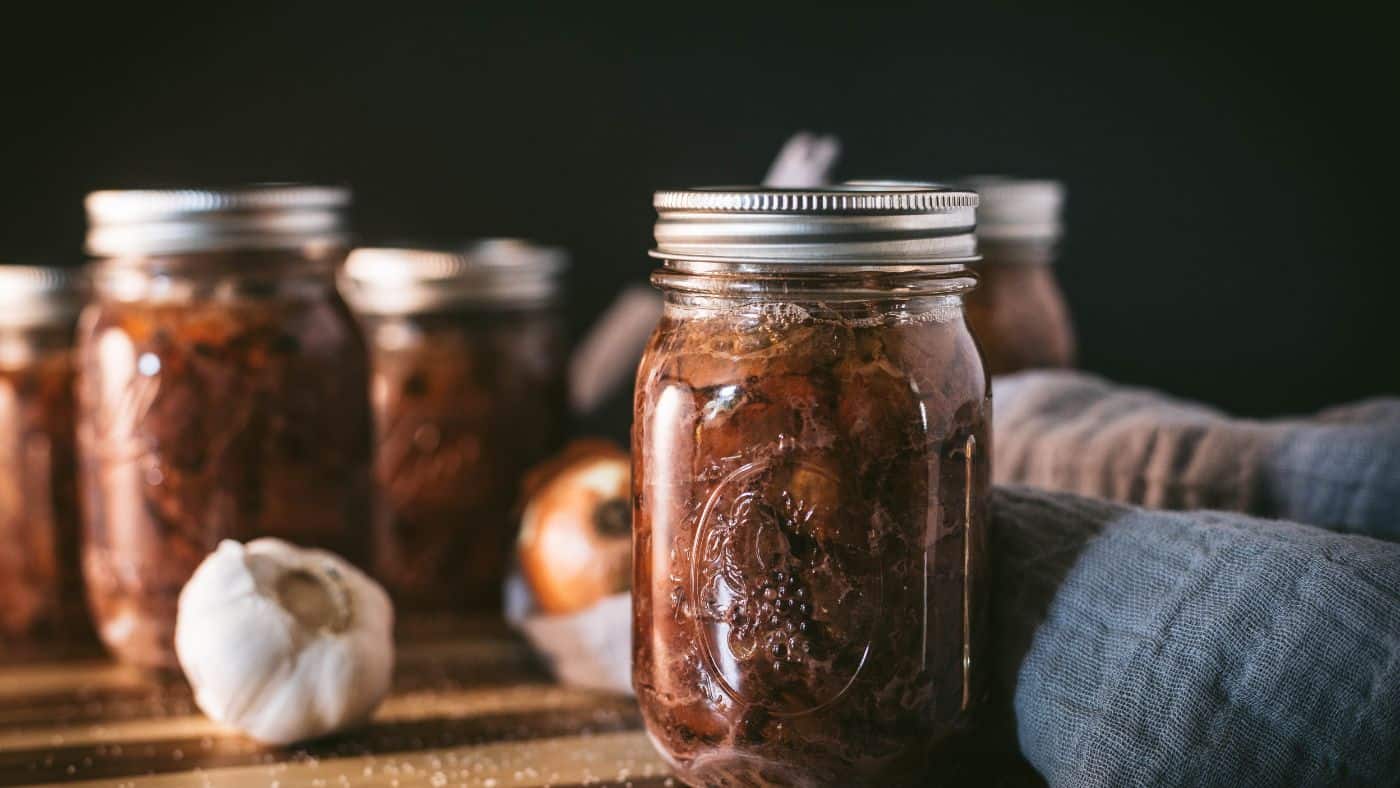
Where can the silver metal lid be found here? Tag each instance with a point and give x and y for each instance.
(499, 271)
(179, 221)
(38, 295)
(875, 223)
(1017, 209)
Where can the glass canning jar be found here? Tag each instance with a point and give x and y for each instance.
(810, 452)
(223, 392)
(40, 583)
(1018, 312)
(468, 362)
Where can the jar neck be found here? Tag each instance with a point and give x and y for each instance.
(467, 311)
(842, 293)
(219, 276)
(801, 281)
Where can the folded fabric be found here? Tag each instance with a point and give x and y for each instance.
(1079, 433)
(591, 648)
(1161, 648)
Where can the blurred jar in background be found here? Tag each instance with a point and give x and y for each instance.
(469, 360)
(222, 393)
(1017, 312)
(40, 583)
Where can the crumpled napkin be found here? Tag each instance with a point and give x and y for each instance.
(591, 648)
(1161, 648)
(1143, 647)
(1071, 431)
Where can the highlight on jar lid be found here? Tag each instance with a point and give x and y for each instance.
(493, 271)
(34, 294)
(142, 222)
(876, 223)
(1017, 209)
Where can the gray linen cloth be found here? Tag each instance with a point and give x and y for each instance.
(1075, 432)
(1160, 648)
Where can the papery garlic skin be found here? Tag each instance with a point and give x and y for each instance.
(284, 643)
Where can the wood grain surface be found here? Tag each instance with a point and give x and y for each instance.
(470, 707)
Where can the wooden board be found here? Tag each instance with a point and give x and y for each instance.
(470, 707)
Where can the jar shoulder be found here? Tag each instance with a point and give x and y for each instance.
(865, 373)
(291, 326)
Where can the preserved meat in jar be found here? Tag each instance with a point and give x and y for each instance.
(1017, 311)
(40, 582)
(811, 460)
(468, 361)
(222, 393)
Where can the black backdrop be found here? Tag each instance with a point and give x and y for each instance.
(1229, 176)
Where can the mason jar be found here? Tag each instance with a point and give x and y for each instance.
(810, 452)
(468, 363)
(40, 583)
(223, 392)
(1018, 311)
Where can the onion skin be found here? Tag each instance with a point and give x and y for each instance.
(575, 545)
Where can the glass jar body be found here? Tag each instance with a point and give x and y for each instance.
(40, 584)
(220, 395)
(466, 400)
(1018, 311)
(810, 473)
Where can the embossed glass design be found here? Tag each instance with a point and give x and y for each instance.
(221, 394)
(810, 468)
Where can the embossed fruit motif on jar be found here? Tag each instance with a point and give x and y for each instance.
(810, 454)
(223, 392)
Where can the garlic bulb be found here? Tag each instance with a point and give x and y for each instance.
(284, 643)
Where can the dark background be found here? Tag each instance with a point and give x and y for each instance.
(1230, 176)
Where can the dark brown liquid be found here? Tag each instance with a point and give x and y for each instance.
(809, 554)
(465, 403)
(40, 587)
(1019, 315)
(205, 420)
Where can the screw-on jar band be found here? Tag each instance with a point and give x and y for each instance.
(39, 295)
(1017, 209)
(384, 280)
(181, 221)
(873, 223)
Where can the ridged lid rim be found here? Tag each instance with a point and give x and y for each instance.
(38, 278)
(406, 278)
(127, 205)
(141, 222)
(39, 293)
(856, 223)
(854, 197)
(404, 263)
(1017, 209)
